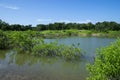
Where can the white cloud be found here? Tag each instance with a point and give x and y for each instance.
(86, 21)
(9, 7)
(66, 21)
(44, 20)
(70, 21)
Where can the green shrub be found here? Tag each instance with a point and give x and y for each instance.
(4, 40)
(107, 63)
(23, 41)
(53, 49)
(28, 41)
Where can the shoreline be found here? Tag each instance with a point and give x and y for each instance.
(79, 33)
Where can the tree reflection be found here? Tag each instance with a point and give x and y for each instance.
(2, 54)
(25, 59)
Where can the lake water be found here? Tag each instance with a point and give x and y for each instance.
(15, 66)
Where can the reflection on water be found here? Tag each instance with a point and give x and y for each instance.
(87, 44)
(2, 55)
(22, 66)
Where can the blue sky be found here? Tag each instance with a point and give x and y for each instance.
(49, 11)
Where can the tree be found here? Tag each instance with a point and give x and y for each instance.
(89, 26)
(114, 26)
(28, 27)
(99, 26)
(4, 26)
(41, 27)
(16, 27)
(107, 63)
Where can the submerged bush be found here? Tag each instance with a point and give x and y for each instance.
(107, 63)
(53, 49)
(4, 40)
(23, 41)
(29, 41)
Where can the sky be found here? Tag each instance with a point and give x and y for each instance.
(49, 11)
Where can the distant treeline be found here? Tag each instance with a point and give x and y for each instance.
(99, 26)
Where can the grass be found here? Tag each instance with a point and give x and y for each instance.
(74, 32)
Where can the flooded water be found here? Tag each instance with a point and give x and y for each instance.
(15, 66)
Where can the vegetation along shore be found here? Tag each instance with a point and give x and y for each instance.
(56, 30)
(30, 40)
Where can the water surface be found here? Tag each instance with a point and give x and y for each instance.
(15, 66)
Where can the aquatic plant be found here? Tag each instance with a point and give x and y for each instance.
(29, 42)
(55, 49)
(4, 43)
(21, 41)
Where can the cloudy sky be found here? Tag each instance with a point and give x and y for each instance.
(49, 11)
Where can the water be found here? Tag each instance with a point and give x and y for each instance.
(26, 67)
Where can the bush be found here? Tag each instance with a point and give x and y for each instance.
(29, 42)
(4, 40)
(53, 49)
(23, 41)
(107, 63)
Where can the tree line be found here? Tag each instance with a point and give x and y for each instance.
(99, 26)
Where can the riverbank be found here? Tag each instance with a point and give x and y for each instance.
(82, 33)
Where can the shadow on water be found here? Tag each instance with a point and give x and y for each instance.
(22, 66)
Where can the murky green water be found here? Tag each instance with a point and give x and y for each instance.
(15, 66)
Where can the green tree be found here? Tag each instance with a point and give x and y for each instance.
(4, 26)
(40, 27)
(114, 26)
(89, 26)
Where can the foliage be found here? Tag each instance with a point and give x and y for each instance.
(28, 41)
(99, 26)
(4, 43)
(107, 63)
(55, 49)
(22, 41)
